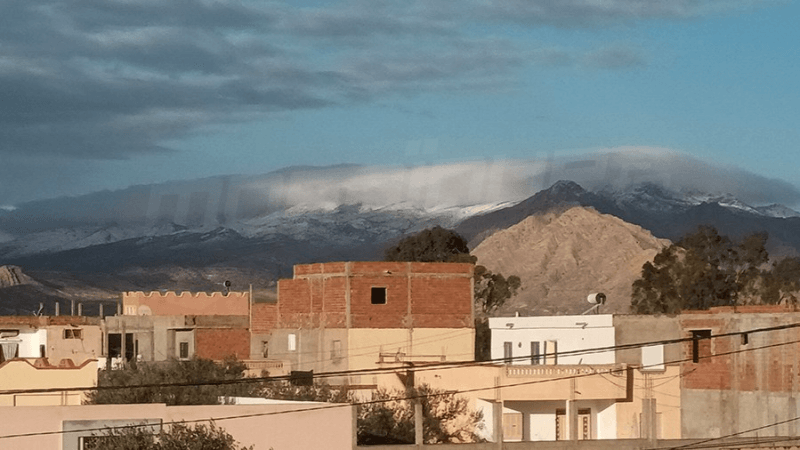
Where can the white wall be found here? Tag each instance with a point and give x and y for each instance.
(541, 417)
(571, 333)
(29, 347)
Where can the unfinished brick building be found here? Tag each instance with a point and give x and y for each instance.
(742, 381)
(156, 326)
(354, 315)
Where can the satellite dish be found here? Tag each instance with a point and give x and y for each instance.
(227, 285)
(597, 298)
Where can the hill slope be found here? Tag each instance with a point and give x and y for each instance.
(563, 257)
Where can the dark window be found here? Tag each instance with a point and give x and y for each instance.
(265, 349)
(184, 349)
(507, 348)
(536, 357)
(73, 333)
(42, 351)
(115, 345)
(701, 345)
(379, 296)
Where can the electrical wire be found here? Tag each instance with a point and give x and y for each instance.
(415, 397)
(427, 367)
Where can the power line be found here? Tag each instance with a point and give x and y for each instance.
(427, 367)
(411, 397)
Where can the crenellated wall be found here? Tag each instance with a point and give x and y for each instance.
(173, 303)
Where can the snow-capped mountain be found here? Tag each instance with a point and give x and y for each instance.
(262, 225)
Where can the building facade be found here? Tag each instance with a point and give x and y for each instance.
(19, 376)
(358, 315)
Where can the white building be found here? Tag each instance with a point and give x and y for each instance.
(551, 340)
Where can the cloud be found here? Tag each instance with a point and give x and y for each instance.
(615, 58)
(218, 200)
(99, 79)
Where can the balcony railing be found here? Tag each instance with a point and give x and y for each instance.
(273, 367)
(547, 371)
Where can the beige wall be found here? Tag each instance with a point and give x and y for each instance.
(279, 426)
(21, 374)
(665, 388)
(361, 348)
(88, 346)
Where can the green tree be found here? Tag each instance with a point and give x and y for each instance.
(491, 292)
(447, 417)
(701, 270)
(782, 283)
(178, 437)
(431, 245)
(198, 375)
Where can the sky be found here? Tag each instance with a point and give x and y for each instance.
(105, 94)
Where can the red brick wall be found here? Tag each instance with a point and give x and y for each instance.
(264, 317)
(441, 295)
(218, 343)
(764, 363)
(441, 302)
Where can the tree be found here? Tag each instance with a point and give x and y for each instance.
(179, 437)
(447, 417)
(199, 376)
(702, 270)
(491, 292)
(389, 416)
(431, 245)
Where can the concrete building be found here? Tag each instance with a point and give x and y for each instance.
(157, 326)
(358, 315)
(741, 379)
(273, 426)
(55, 337)
(554, 383)
(22, 374)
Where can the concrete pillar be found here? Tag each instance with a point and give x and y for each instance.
(58, 308)
(80, 309)
(418, 435)
(526, 426)
(101, 310)
(572, 420)
(123, 349)
(72, 307)
(649, 425)
(497, 423)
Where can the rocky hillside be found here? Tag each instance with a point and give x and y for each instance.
(12, 276)
(561, 257)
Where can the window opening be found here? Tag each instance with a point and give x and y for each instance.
(507, 352)
(378, 296)
(73, 333)
(701, 345)
(536, 357)
(184, 350)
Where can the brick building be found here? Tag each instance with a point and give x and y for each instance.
(744, 380)
(355, 315)
(157, 326)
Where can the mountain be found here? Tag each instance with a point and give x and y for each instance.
(251, 230)
(562, 257)
(21, 293)
(665, 213)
